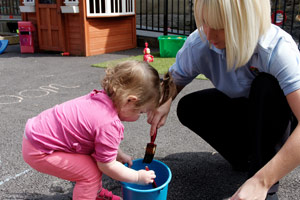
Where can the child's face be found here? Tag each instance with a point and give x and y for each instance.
(130, 113)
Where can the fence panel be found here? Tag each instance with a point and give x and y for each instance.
(177, 17)
(9, 7)
(166, 16)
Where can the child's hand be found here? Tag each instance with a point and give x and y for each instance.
(124, 158)
(145, 177)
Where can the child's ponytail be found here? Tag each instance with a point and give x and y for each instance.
(168, 88)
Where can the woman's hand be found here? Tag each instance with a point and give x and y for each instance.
(158, 117)
(124, 158)
(251, 189)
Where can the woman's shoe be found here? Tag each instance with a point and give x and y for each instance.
(104, 194)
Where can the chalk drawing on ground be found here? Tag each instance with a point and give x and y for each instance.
(42, 91)
(33, 93)
(14, 177)
(10, 99)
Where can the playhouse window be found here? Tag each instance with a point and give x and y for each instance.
(110, 8)
(47, 1)
(28, 1)
(71, 2)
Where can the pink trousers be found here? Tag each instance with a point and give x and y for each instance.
(78, 168)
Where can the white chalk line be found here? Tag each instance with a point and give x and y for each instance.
(33, 93)
(14, 177)
(18, 99)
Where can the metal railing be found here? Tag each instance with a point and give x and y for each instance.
(166, 16)
(177, 17)
(287, 16)
(9, 7)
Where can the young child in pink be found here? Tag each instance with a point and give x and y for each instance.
(78, 140)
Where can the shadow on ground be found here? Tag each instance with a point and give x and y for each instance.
(201, 175)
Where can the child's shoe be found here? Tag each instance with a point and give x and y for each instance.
(104, 194)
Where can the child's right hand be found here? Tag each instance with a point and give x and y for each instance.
(145, 177)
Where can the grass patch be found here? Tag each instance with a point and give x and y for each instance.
(160, 64)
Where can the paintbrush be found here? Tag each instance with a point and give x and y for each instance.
(150, 149)
(153, 183)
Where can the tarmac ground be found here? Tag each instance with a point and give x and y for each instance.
(31, 83)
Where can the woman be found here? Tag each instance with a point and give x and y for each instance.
(254, 107)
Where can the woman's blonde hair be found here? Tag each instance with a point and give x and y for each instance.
(135, 78)
(243, 21)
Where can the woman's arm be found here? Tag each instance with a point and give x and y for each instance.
(287, 159)
(158, 117)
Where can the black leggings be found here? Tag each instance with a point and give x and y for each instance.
(247, 132)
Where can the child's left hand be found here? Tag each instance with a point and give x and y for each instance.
(124, 158)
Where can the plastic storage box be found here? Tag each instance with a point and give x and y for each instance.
(169, 45)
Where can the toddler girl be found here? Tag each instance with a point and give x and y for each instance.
(78, 140)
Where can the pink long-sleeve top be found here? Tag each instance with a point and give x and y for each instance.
(85, 125)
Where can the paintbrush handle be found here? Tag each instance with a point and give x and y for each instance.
(153, 183)
(153, 137)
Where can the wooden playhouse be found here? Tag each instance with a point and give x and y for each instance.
(81, 27)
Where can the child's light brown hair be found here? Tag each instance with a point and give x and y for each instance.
(136, 78)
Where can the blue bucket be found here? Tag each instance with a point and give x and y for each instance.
(147, 192)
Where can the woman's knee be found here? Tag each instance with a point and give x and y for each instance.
(183, 109)
(265, 82)
(207, 102)
(265, 90)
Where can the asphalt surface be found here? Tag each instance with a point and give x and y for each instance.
(31, 83)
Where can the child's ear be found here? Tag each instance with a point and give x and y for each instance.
(132, 98)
